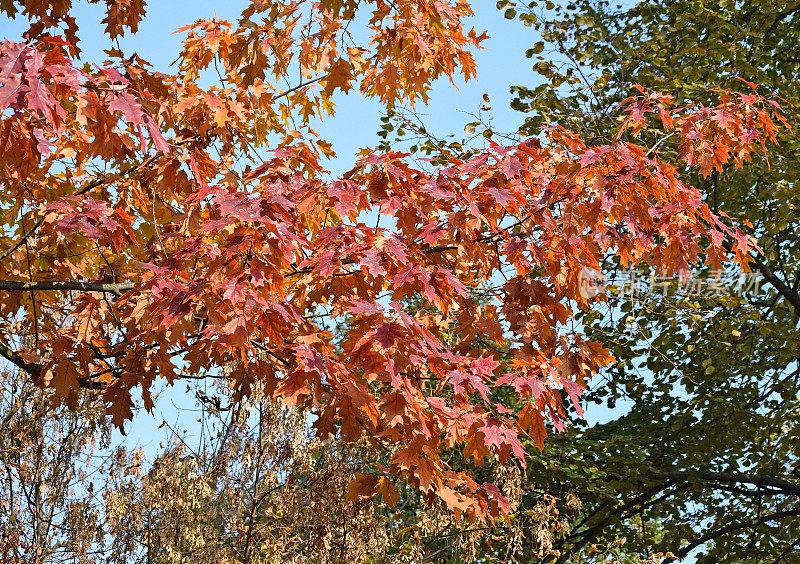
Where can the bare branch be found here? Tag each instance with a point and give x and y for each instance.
(683, 552)
(19, 286)
(785, 486)
(783, 289)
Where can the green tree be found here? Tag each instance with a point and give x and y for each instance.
(704, 458)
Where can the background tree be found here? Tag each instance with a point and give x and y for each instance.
(704, 452)
(254, 486)
(47, 511)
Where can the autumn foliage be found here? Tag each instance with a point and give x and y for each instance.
(156, 226)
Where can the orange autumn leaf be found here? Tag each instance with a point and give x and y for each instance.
(364, 486)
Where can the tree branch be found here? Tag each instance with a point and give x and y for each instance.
(347, 261)
(35, 370)
(16, 360)
(112, 288)
(683, 552)
(783, 289)
(587, 535)
(786, 487)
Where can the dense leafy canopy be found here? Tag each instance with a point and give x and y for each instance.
(703, 457)
(147, 233)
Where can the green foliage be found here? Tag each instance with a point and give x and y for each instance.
(711, 380)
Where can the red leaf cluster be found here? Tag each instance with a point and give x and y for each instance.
(428, 308)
